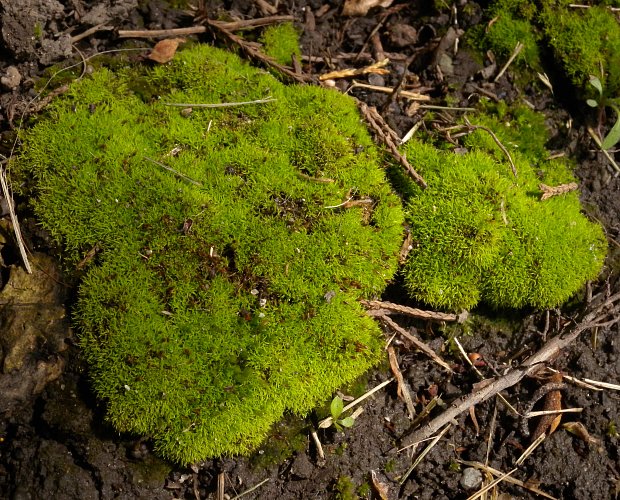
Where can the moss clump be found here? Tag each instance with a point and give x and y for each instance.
(225, 297)
(512, 24)
(481, 234)
(585, 41)
(281, 41)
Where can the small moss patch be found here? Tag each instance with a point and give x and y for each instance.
(226, 288)
(480, 234)
(281, 42)
(583, 42)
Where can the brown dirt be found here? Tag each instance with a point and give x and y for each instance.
(54, 441)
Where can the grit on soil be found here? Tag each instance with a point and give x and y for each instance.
(54, 441)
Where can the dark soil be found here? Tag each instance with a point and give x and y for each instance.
(54, 441)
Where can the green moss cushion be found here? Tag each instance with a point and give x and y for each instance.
(482, 234)
(234, 244)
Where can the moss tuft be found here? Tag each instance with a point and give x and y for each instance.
(281, 41)
(214, 308)
(585, 41)
(512, 24)
(481, 235)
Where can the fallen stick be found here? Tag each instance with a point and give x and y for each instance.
(530, 366)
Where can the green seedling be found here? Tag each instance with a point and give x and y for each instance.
(336, 409)
(602, 102)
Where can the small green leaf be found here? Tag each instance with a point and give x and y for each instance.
(592, 103)
(596, 83)
(347, 422)
(613, 136)
(336, 407)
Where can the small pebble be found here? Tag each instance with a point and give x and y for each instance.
(375, 79)
(11, 78)
(470, 479)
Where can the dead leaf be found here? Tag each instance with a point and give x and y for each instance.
(164, 51)
(361, 7)
(381, 488)
(579, 430)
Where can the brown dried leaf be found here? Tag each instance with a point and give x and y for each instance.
(164, 51)
(361, 7)
(579, 430)
(381, 488)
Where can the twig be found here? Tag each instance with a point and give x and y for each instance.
(6, 192)
(421, 456)
(386, 308)
(317, 442)
(195, 30)
(416, 342)
(386, 135)
(254, 53)
(389, 90)
(517, 50)
(221, 486)
(219, 104)
(604, 151)
(90, 31)
(192, 30)
(377, 68)
(251, 489)
(497, 141)
(580, 6)
(403, 391)
(530, 366)
(530, 449)
(492, 484)
(508, 479)
(605, 385)
(175, 172)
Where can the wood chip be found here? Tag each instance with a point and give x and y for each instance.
(361, 7)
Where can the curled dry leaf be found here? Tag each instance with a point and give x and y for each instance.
(361, 7)
(579, 430)
(381, 488)
(164, 51)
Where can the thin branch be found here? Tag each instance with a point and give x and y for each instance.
(195, 30)
(517, 50)
(192, 30)
(386, 308)
(219, 104)
(6, 192)
(416, 342)
(497, 141)
(175, 172)
(253, 52)
(604, 151)
(530, 366)
(389, 138)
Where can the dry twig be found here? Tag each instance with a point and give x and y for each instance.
(381, 308)
(195, 30)
(497, 141)
(598, 316)
(252, 51)
(416, 342)
(389, 138)
(377, 68)
(403, 391)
